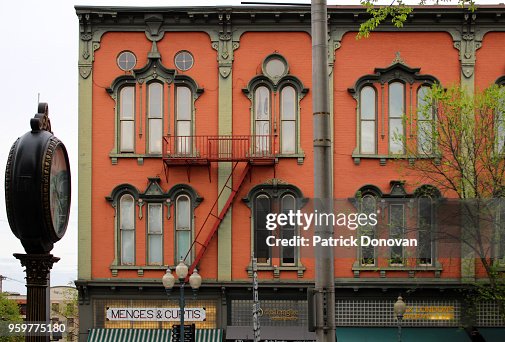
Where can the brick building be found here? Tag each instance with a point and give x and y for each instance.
(194, 123)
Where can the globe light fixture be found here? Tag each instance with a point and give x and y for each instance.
(399, 309)
(168, 280)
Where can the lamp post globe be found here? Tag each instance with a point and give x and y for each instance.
(168, 280)
(195, 280)
(399, 309)
(181, 270)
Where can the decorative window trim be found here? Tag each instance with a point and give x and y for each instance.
(114, 198)
(195, 200)
(275, 191)
(152, 71)
(275, 85)
(397, 192)
(398, 71)
(271, 57)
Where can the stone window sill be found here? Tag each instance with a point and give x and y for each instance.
(299, 156)
(412, 270)
(384, 157)
(140, 269)
(140, 157)
(300, 269)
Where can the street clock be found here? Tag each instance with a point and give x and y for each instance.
(37, 186)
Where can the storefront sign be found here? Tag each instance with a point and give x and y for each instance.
(431, 312)
(155, 314)
(281, 314)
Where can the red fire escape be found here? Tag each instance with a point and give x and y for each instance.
(202, 151)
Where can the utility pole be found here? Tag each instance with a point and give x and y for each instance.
(2, 278)
(324, 294)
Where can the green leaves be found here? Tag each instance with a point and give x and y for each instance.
(397, 13)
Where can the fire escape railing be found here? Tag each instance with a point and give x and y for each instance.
(219, 148)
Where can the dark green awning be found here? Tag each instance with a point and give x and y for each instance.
(348, 334)
(493, 334)
(133, 335)
(154, 335)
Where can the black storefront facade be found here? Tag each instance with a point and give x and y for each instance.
(363, 313)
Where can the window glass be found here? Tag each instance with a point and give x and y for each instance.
(184, 60)
(126, 104)
(275, 68)
(184, 120)
(424, 122)
(127, 135)
(500, 122)
(183, 227)
(262, 119)
(425, 223)
(183, 103)
(262, 103)
(127, 229)
(368, 206)
(155, 92)
(261, 209)
(288, 231)
(155, 114)
(126, 60)
(126, 118)
(155, 231)
(396, 112)
(288, 119)
(501, 230)
(367, 118)
(396, 230)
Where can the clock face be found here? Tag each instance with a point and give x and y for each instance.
(59, 190)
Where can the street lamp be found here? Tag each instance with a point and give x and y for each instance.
(195, 281)
(399, 309)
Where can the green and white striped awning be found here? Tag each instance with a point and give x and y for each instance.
(154, 335)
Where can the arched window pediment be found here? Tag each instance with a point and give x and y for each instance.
(395, 72)
(274, 191)
(122, 189)
(179, 189)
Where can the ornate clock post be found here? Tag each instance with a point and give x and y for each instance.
(37, 198)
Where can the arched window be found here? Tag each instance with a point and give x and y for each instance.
(426, 197)
(183, 120)
(397, 231)
(262, 207)
(499, 120)
(425, 219)
(127, 229)
(368, 115)
(288, 253)
(396, 113)
(288, 120)
(154, 233)
(425, 122)
(275, 109)
(127, 119)
(183, 228)
(262, 119)
(276, 199)
(367, 253)
(386, 102)
(155, 117)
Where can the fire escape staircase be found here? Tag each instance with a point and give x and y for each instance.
(202, 150)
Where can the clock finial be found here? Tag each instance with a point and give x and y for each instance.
(41, 122)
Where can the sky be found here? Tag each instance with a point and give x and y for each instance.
(39, 54)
